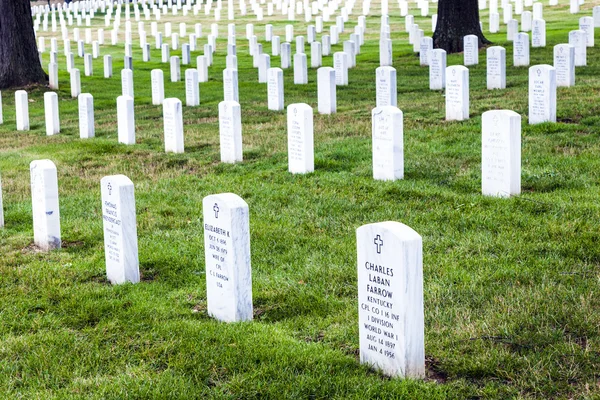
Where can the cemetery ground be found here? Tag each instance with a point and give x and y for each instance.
(511, 286)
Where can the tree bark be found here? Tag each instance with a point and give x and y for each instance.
(19, 60)
(456, 19)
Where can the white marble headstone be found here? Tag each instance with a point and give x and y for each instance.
(120, 229)
(471, 50)
(437, 70)
(230, 85)
(300, 138)
(158, 86)
(22, 110)
(51, 113)
(173, 125)
(496, 67)
(44, 199)
(326, 90)
(501, 153)
(227, 257)
(275, 89)
(388, 143)
(564, 63)
(230, 131)
(542, 94)
(390, 299)
(125, 120)
(457, 93)
(385, 86)
(86, 116)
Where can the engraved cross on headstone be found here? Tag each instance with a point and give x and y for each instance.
(216, 210)
(378, 243)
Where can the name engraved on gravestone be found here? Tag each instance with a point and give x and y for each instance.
(120, 229)
(501, 153)
(227, 257)
(390, 298)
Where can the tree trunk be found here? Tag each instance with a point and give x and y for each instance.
(456, 19)
(19, 60)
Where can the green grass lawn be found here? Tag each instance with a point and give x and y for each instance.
(512, 299)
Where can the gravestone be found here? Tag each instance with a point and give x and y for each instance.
(390, 298)
(425, 51)
(542, 94)
(300, 139)
(340, 64)
(125, 120)
(227, 257)
(175, 69)
(586, 24)
(86, 116)
(264, 63)
(501, 153)
(53, 76)
(286, 52)
(230, 85)
(158, 86)
(326, 90)
(300, 69)
(564, 63)
(521, 50)
(120, 229)
(457, 93)
(577, 39)
(75, 82)
(230, 131)
(471, 50)
(51, 113)
(192, 90)
(316, 58)
(275, 89)
(437, 70)
(127, 82)
(173, 125)
(385, 53)
(388, 143)
(538, 33)
(202, 68)
(496, 67)
(385, 87)
(22, 110)
(512, 28)
(108, 71)
(44, 204)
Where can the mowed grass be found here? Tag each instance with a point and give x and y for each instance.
(512, 306)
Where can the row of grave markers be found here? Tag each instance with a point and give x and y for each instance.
(390, 272)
